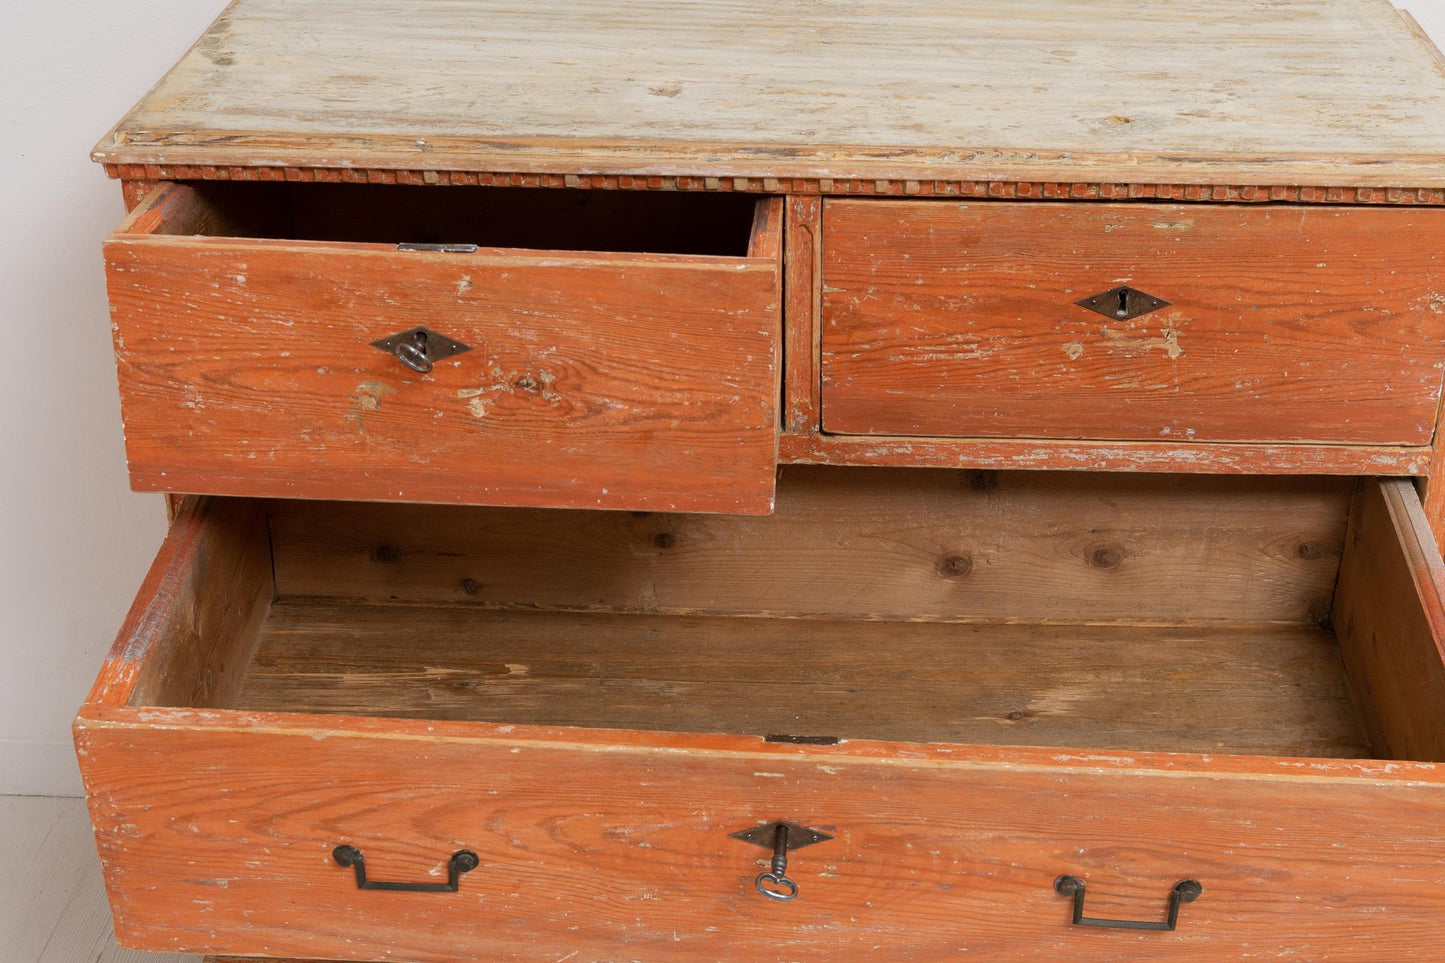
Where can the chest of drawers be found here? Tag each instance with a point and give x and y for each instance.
(743, 481)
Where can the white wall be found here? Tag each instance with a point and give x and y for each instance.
(74, 541)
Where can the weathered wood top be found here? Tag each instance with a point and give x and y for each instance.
(1311, 92)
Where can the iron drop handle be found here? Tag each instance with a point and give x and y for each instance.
(1184, 891)
(462, 861)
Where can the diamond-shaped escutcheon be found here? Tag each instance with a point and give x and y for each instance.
(1122, 303)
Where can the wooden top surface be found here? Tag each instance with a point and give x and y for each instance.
(1271, 92)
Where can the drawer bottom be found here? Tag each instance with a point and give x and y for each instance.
(1205, 686)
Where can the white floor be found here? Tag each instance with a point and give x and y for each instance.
(52, 902)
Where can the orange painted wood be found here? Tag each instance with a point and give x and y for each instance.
(135, 190)
(1431, 483)
(800, 314)
(1390, 618)
(602, 846)
(1131, 456)
(1285, 325)
(606, 380)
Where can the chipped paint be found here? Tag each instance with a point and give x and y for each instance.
(1168, 343)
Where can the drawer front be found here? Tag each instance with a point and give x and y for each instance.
(614, 380)
(218, 834)
(1245, 324)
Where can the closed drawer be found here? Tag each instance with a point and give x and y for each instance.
(621, 348)
(973, 683)
(1242, 324)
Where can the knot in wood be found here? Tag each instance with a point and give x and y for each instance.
(1104, 556)
(955, 566)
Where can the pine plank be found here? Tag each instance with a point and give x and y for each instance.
(1336, 93)
(860, 543)
(1266, 690)
(1391, 618)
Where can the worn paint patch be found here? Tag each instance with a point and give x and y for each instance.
(480, 400)
(1433, 301)
(369, 394)
(1074, 350)
(1168, 343)
(366, 398)
(477, 401)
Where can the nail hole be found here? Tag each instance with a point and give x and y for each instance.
(983, 481)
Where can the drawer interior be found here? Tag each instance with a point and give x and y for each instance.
(655, 222)
(1258, 616)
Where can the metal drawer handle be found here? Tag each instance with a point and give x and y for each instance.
(774, 883)
(1184, 891)
(462, 861)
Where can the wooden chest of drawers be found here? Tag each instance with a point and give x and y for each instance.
(741, 481)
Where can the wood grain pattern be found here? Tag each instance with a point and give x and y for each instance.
(1002, 454)
(609, 380)
(800, 316)
(1284, 324)
(595, 844)
(932, 90)
(198, 614)
(876, 543)
(1391, 619)
(1202, 687)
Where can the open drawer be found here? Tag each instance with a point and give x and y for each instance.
(973, 684)
(467, 345)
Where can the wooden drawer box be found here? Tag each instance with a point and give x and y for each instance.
(974, 683)
(1247, 323)
(623, 347)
